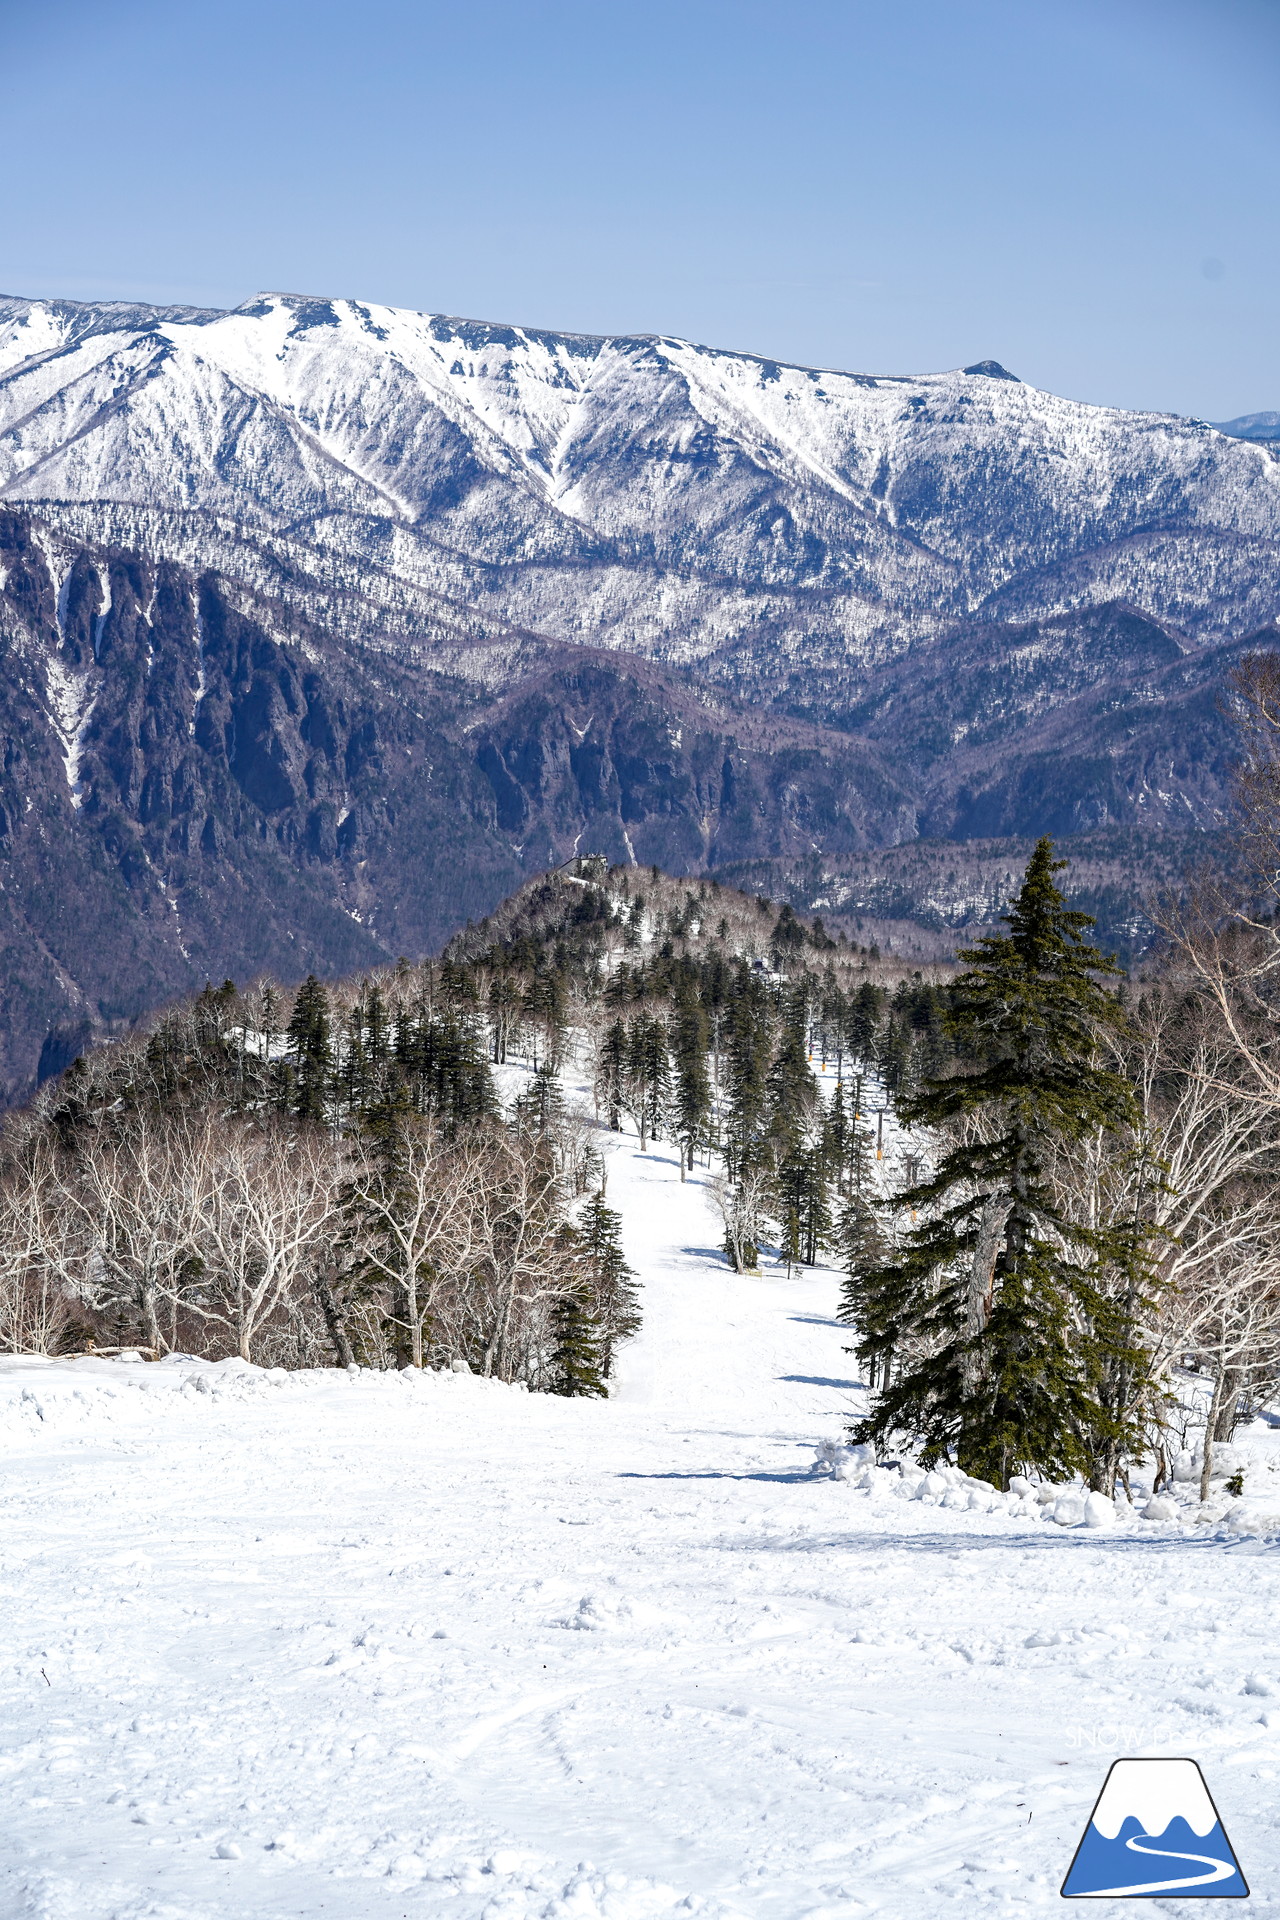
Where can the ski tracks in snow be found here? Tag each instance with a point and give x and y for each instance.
(296, 1645)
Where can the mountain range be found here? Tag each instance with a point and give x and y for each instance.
(325, 624)
(1251, 426)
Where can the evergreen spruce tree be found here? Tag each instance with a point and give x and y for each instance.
(417, 1049)
(613, 1067)
(837, 1137)
(692, 1102)
(615, 1299)
(353, 1078)
(310, 1050)
(542, 1102)
(862, 1023)
(862, 1243)
(546, 1012)
(792, 1092)
(795, 1137)
(801, 1203)
(786, 1203)
(991, 1303)
(377, 1028)
(263, 1019)
(747, 1052)
(894, 1055)
(575, 1359)
(440, 1053)
(787, 940)
(648, 1075)
(815, 1204)
(460, 1086)
(928, 1021)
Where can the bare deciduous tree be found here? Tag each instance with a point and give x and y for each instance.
(266, 1199)
(742, 1205)
(411, 1211)
(42, 1249)
(519, 1236)
(1197, 1178)
(133, 1191)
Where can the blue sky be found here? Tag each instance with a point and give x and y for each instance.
(1087, 190)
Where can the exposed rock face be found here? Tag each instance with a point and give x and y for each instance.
(196, 784)
(325, 624)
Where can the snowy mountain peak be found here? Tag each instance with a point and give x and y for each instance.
(642, 491)
(788, 527)
(845, 607)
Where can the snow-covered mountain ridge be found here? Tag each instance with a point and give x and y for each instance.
(323, 625)
(640, 492)
(1251, 426)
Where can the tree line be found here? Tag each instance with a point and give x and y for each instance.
(699, 1015)
(1075, 1220)
(321, 1177)
(328, 1173)
(1049, 1189)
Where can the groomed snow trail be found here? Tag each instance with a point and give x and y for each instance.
(375, 1645)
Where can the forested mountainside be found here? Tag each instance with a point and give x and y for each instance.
(333, 1173)
(922, 900)
(197, 783)
(325, 625)
(667, 498)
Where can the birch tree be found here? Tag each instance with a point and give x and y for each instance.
(411, 1221)
(267, 1199)
(136, 1196)
(43, 1249)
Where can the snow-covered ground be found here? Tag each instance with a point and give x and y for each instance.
(380, 1645)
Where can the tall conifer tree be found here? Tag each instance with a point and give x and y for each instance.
(613, 1067)
(576, 1362)
(615, 1297)
(747, 1053)
(990, 1304)
(692, 1102)
(311, 1049)
(648, 1075)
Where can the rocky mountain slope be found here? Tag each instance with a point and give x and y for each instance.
(642, 493)
(325, 624)
(196, 783)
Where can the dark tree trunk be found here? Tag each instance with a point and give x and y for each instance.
(333, 1320)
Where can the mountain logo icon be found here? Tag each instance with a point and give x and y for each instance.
(1154, 1830)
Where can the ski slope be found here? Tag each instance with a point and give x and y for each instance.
(382, 1645)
